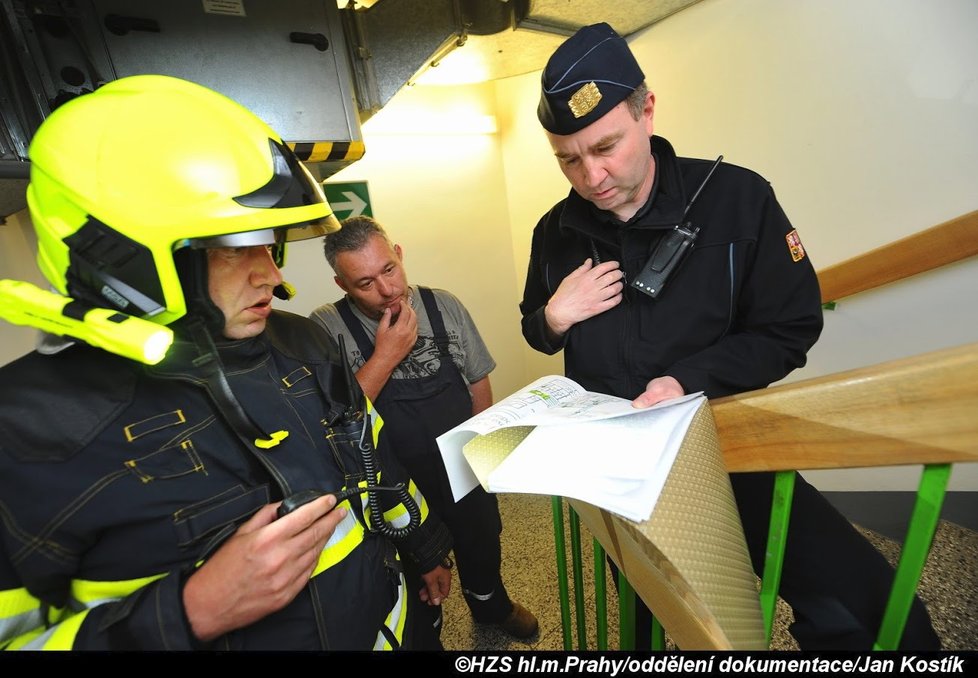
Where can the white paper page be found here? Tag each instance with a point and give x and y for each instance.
(548, 402)
(628, 498)
(588, 407)
(542, 394)
(622, 447)
(460, 475)
(639, 504)
(620, 465)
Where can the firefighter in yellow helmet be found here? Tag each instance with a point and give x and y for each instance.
(181, 465)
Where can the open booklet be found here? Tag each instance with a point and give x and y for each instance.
(553, 437)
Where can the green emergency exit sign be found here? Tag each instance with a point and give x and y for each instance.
(348, 199)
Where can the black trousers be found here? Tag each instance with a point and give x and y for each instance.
(424, 623)
(834, 579)
(475, 526)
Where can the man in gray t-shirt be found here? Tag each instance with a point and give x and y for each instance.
(469, 352)
(419, 358)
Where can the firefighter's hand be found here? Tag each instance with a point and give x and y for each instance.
(259, 569)
(657, 390)
(586, 292)
(437, 585)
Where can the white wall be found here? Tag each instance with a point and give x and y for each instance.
(862, 114)
(533, 184)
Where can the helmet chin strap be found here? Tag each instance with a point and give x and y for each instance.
(212, 370)
(191, 267)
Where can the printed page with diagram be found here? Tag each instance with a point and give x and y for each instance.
(553, 437)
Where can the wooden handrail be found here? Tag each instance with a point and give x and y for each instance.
(937, 246)
(919, 410)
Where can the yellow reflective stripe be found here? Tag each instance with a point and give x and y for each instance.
(419, 500)
(395, 620)
(20, 613)
(376, 421)
(91, 593)
(23, 641)
(398, 515)
(60, 637)
(16, 602)
(398, 616)
(347, 536)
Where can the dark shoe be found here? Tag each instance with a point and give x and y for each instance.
(520, 623)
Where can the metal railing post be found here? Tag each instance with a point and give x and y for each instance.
(777, 538)
(913, 557)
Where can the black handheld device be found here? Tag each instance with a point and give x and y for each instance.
(670, 250)
(666, 257)
(303, 497)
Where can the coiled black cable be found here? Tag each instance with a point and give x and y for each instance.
(377, 522)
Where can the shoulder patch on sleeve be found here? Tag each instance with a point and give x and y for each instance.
(795, 247)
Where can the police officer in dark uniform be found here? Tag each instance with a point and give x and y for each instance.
(420, 358)
(660, 275)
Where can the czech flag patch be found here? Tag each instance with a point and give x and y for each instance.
(794, 246)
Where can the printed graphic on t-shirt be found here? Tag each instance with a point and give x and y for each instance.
(424, 359)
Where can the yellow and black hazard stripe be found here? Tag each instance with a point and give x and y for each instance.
(327, 151)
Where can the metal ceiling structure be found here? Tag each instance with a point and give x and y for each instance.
(52, 51)
(394, 42)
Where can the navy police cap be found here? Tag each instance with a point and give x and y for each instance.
(589, 74)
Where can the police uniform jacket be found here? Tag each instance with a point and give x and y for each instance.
(119, 479)
(739, 313)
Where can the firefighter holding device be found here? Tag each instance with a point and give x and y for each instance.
(147, 445)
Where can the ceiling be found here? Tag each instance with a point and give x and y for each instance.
(533, 38)
(463, 41)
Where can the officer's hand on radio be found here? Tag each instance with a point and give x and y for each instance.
(587, 291)
(437, 585)
(657, 390)
(260, 568)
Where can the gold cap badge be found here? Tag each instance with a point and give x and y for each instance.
(584, 100)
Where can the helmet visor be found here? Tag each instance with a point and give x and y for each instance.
(267, 236)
